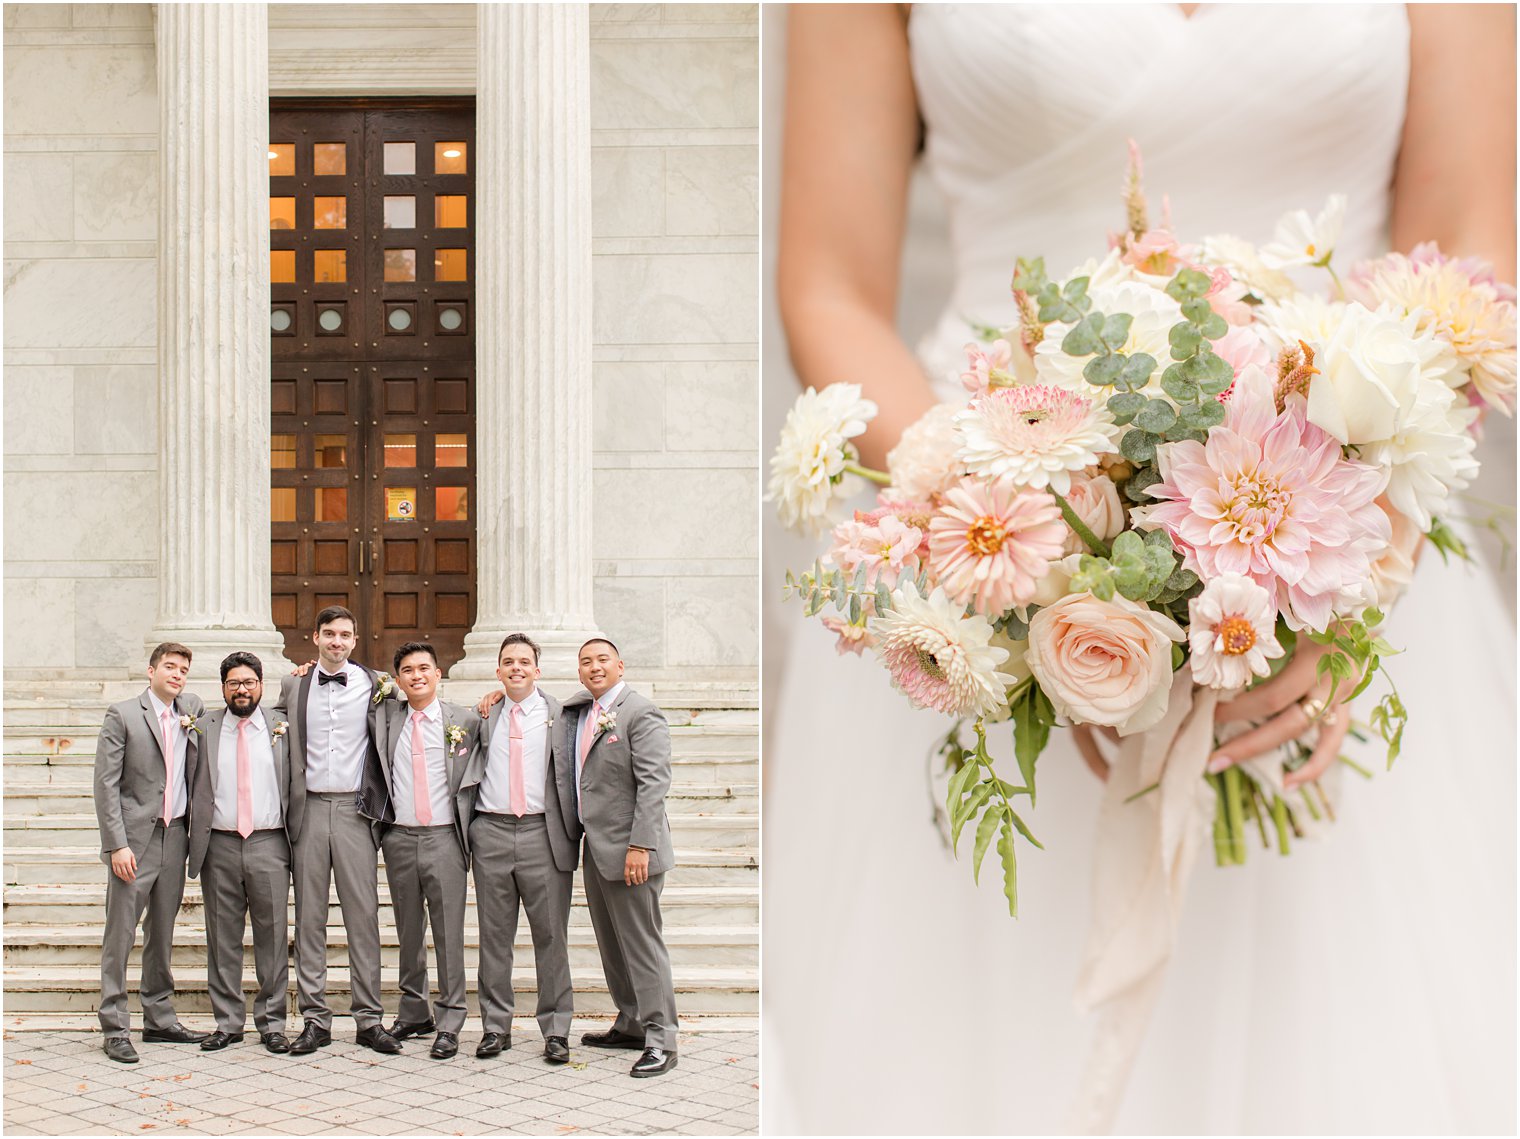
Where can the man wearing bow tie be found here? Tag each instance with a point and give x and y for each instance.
(144, 767)
(330, 749)
(522, 850)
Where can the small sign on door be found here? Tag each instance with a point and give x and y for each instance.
(400, 504)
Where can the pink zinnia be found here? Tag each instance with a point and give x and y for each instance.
(1270, 496)
(989, 544)
(882, 545)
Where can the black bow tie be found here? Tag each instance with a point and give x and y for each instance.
(333, 677)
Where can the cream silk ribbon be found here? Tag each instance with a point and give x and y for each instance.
(1145, 854)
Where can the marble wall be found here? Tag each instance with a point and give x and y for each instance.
(675, 132)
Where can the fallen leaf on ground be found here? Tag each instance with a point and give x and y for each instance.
(23, 1061)
(186, 1076)
(145, 1126)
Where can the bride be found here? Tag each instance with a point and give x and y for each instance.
(1364, 984)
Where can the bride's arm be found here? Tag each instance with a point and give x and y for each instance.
(1455, 179)
(852, 131)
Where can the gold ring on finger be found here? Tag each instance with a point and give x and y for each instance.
(1313, 708)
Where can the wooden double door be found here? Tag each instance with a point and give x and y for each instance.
(372, 384)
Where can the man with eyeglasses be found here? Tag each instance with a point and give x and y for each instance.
(241, 829)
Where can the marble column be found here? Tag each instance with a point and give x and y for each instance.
(213, 333)
(533, 334)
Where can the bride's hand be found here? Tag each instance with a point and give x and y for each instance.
(1290, 704)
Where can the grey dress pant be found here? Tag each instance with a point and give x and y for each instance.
(513, 863)
(156, 892)
(247, 878)
(337, 843)
(425, 868)
(634, 958)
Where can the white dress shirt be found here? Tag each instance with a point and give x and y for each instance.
(496, 786)
(337, 730)
(177, 740)
(267, 812)
(437, 769)
(606, 700)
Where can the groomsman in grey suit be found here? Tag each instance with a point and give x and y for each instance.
(331, 751)
(240, 837)
(522, 848)
(619, 745)
(425, 745)
(144, 767)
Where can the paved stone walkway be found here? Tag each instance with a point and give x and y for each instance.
(60, 1083)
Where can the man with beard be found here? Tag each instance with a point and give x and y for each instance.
(241, 829)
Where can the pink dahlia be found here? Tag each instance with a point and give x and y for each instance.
(989, 544)
(1270, 496)
(1034, 435)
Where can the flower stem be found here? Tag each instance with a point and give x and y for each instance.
(1324, 800)
(877, 477)
(1280, 821)
(1257, 814)
(1235, 814)
(1089, 539)
(1222, 853)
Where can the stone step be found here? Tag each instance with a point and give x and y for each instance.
(80, 864)
(524, 1026)
(45, 790)
(73, 989)
(84, 904)
(37, 946)
(687, 830)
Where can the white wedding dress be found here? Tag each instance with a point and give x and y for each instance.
(1366, 984)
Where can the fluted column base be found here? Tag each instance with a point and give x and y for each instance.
(557, 652)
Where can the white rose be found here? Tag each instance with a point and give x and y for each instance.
(1104, 662)
(1095, 500)
(1370, 373)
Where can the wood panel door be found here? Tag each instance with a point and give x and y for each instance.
(372, 387)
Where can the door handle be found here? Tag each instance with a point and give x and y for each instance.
(362, 545)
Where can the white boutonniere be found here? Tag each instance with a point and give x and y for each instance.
(454, 736)
(384, 686)
(189, 724)
(606, 722)
(279, 729)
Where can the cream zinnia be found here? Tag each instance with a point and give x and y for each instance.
(1231, 632)
(1270, 496)
(989, 544)
(1034, 435)
(938, 657)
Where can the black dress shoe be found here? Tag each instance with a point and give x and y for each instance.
(445, 1046)
(120, 1049)
(556, 1050)
(377, 1039)
(492, 1044)
(312, 1037)
(175, 1034)
(274, 1041)
(654, 1062)
(402, 1031)
(612, 1038)
(219, 1040)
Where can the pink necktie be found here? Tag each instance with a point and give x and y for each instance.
(422, 799)
(589, 735)
(166, 719)
(515, 778)
(245, 782)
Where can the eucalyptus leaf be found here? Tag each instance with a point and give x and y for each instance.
(1184, 339)
(1075, 289)
(1125, 406)
(1138, 446)
(1157, 417)
(1137, 370)
(855, 609)
(1116, 330)
(1103, 370)
(1176, 383)
(1214, 326)
(1197, 310)
(1080, 341)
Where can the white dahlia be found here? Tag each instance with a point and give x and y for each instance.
(923, 465)
(807, 470)
(1430, 455)
(940, 658)
(1231, 632)
(1034, 436)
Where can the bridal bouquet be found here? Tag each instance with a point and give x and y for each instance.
(1173, 471)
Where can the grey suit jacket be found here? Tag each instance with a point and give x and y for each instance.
(623, 783)
(129, 771)
(559, 790)
(388, 720)
(203, 791)
(291, 707)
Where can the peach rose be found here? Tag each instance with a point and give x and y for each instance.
(1096, 502)
(1104, 662)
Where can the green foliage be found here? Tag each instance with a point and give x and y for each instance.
(1141, 568)
(1447, 542)
(1356, 651)
(975, 789)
